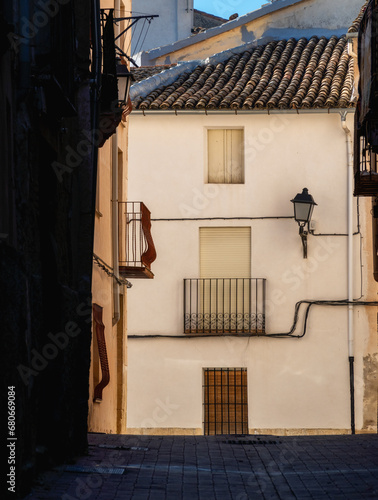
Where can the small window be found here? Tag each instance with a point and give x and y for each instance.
(225, 149)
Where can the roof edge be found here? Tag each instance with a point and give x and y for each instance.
(144, 87)
(264, 111)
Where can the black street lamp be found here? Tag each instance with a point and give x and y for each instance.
(124, 78)
(303, 207)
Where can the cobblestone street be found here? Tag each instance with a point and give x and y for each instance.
(220, 467)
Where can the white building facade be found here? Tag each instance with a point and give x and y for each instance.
(293, 384)
(174, 22)
(239, 333)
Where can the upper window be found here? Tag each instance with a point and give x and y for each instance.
(225, 156)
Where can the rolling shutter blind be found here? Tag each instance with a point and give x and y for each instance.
(225, 252)
(225, 156)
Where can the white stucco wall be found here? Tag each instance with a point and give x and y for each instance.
(292, 384)
(321, 14)
(283, 154)
(175, 22)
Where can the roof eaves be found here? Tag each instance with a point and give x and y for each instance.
(217, 30)
(254, 111)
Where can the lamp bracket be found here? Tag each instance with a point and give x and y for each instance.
(133, 20)
(303, 234)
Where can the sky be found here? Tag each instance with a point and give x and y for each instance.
(225, 8)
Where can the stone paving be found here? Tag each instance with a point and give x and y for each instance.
(217, 467)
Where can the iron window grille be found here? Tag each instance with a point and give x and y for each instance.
(224, 305)
(365, 166)
(225, 400)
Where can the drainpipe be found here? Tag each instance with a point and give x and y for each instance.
(375, 237)
(116, 314)
(348, 137)
(116, 291)
(94, 95)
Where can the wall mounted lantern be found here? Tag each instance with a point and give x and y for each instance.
(124, 78)
(303, 207)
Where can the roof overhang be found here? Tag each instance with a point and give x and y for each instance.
(300, 111)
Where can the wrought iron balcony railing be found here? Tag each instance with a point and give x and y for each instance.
(365, 166)
(224, 305)
(136, 246)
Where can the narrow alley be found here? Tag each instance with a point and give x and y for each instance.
(217, 467)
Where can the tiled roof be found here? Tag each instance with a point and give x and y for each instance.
(204, 20)
(288, 74)
(356, 23)
(144, 72)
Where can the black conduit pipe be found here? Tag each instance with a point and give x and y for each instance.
(351, 383)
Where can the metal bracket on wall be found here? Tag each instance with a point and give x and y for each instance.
(133, 20)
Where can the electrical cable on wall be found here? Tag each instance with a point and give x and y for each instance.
(310, 303)
(289, 334)
(224, 218)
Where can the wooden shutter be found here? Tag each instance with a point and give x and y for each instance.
(99, 331)
(225, 156)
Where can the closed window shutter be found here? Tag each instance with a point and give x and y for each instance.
(226, 156)
(225, 252)
(216, 160)
(99, 331)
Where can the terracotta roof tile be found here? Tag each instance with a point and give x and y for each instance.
(204, 20)
(144, 72)
(356, 23)
(285, 74)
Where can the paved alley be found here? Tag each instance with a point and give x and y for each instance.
(219, 467)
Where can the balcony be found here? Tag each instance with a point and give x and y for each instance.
(136, 246)
(224, 306)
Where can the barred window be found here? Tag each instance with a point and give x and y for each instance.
(225, 401)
